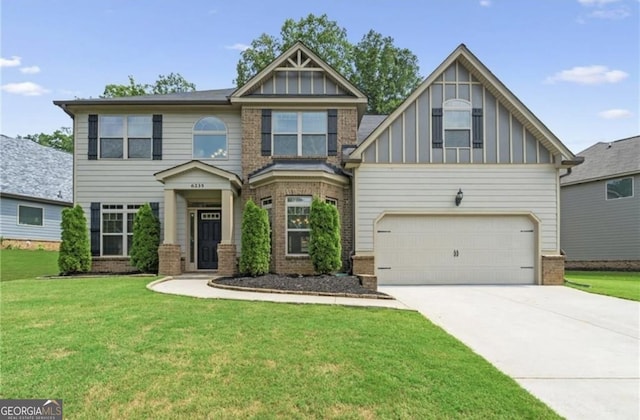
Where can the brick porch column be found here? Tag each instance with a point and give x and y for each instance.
(169, 260)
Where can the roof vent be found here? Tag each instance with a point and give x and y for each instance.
(609, 145)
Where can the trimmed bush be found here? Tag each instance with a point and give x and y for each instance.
(325, 248)
(256, 240)
(75, 250)
(146, 239)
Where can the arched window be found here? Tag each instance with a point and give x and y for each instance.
(457, 123)
(210, 139)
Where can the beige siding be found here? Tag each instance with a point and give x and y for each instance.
(133, 181)
(486, 188)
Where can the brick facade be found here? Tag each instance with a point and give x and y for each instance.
(363, 264)
(170, 260)
(120, 265)
(553, 270)
(227, 260)
(279, 189)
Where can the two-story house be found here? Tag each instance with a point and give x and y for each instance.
(458, 185)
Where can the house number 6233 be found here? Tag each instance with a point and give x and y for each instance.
(197, 185)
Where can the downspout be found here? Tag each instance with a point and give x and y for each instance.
(567, 174)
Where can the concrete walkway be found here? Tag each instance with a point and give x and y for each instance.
(195, 285)
(578, 352)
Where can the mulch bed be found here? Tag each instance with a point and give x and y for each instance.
(319, 285)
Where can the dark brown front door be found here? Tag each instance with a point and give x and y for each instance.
(209, 236)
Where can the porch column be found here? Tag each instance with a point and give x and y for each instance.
(169, 216)
(227, 216)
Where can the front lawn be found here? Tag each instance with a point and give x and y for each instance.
(624, 285)
(113, 349)
(24, 264)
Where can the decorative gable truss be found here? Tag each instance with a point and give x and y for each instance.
(299, 72)
(461, 114)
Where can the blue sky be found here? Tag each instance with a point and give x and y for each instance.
(574, 63)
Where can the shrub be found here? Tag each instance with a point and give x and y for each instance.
(146, 240)
(75, 251)
(256, 240)
(325, 249)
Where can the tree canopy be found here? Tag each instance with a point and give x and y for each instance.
(173, 82)
(61, 139)
(384, 72)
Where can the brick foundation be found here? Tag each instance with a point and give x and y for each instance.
(553, 270)
(30, 244)
(115, 265)
(368, 281)
(622, 265)
(363, 264)
(170, 260)
(227, 260)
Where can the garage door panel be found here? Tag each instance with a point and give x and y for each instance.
(421, 249)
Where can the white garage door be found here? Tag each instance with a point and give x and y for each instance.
(421, 249)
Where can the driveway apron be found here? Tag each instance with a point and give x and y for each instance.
(578, 352)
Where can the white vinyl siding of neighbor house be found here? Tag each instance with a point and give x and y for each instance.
(11, 229)
(117, 181)
(432, 188)
(597, 229)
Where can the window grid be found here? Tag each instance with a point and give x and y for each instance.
(117, 228)
(297, 223)
(210, 139)
(306, 136)
(125, 136)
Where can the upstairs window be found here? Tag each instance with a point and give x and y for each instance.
(210, 139)
(619, 188)
(457, 123)
(125, 137)
(299, 134)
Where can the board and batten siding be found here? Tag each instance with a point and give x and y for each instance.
(132, 181)
(49, 231)
(596, 229)
(408, 139)
(432, 188)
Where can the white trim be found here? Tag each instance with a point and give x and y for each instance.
(300, 133)
(210, 133)
(125, 136)
(286, 223)
(606, 188)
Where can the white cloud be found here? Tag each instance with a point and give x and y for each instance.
(485, 3)
(588, 75)
(30, 70)
(238, 47)
(10, 62)
(612, 14)
(24, 88)
(598, 3)
(615, 114)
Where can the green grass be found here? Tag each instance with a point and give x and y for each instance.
(624, 285)
(113, 349)
(25, 264)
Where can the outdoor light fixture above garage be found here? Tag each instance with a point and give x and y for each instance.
(459, 197)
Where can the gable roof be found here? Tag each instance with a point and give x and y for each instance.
(497, 89)
(30, 170)
(290, 60)
(368, 124)
(607, 160)
(183, 168)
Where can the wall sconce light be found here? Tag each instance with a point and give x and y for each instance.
(459, 197)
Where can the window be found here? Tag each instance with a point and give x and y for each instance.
(298, 231)
(457, 123)
(299, 134)
(125, 137)
(117, 228)
(267, 204)
(331, 201)
(30, 216)
(210, 139)
(619, 188)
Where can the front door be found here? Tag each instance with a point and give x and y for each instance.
(209, 236)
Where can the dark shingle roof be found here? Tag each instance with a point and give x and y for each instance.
(32, 170)
(607, 160)
(368, 124)
(298, 165)
(206, 96)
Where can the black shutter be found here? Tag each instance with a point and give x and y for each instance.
(157, 137)
(155, 209)
(436, 128)
(332, 132)
(93, 137)
(266, 132)
(476, 126)
(95, 229)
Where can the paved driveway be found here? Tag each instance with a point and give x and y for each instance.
(577, 352)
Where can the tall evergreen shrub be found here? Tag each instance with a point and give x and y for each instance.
(146, 240)
(256, 240)
(75, 250)
(325, 248)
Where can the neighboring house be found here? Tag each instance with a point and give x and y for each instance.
(36, 186)
(600, 202)
(297, 130)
